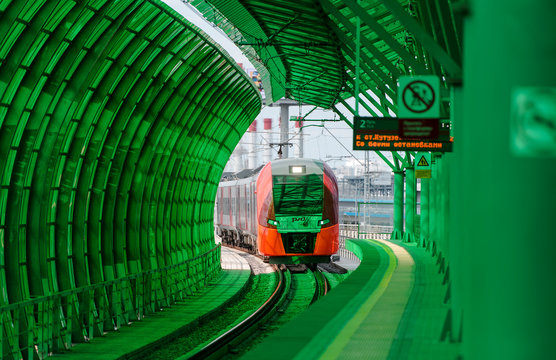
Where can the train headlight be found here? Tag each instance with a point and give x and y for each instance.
(323, 222)
(273, 222)
(297, 169)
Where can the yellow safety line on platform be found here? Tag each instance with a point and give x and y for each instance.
(335, 348)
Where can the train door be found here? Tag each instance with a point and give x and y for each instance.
(235, 200)
(221, 205)
(218, 207)
(229, 206)
(253, 214)
(247, 206)
(240, 206)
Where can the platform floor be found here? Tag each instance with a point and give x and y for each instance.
(233, 260)
(157, 328)
(391, 307)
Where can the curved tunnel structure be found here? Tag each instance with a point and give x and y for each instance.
(116, 120)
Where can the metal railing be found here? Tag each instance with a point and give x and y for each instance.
(353, 231)
(44, 325)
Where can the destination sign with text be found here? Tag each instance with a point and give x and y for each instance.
(374, 133)
(419, 128)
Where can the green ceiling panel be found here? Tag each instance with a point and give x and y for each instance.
(306, 49)
(116, 121)
(288, 42)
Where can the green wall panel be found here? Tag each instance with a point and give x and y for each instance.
(508, 243)
(116, 121)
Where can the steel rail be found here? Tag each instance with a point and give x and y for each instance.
(321, 287)
(248, 326)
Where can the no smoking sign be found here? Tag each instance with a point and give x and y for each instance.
(418, 97)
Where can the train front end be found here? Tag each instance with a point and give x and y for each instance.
(297, 212)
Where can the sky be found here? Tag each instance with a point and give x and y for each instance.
(318, 142)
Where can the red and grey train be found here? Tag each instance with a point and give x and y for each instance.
(287, 211)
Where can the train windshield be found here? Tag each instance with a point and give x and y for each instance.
(298, 194)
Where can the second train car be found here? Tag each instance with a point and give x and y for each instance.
(288, 212)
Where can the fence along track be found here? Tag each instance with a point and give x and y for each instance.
(90, 311)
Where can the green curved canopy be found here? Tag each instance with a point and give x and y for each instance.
(289, 42)
(116, 121)
(306, 50)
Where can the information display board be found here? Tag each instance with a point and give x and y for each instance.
(374, 133)
(419, 128)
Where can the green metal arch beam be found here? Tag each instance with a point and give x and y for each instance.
(451, 66)
(116, 121)
(296, 53)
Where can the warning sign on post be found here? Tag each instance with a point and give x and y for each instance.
(423, 161)
(423, 167)
(418, 97)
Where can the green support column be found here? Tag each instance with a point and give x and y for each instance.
(509, 199)
(443, 211)
(425, 213)
(410, 204)
(457, 229)
(433, 190)
(398, 205)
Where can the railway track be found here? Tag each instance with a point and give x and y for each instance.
(322, 284)
(294, 292)
(231, 339)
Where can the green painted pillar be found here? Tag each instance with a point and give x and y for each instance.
(424, 220)
(410, 204)
(457, 228)
(443, 210)
(432, 205)
(509, 199)
(398, 205)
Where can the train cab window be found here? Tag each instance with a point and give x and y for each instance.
(297, 194)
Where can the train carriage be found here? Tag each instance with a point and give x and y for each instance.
(235, 218)
(290, 211)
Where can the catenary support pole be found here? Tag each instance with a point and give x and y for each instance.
(284, 129)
